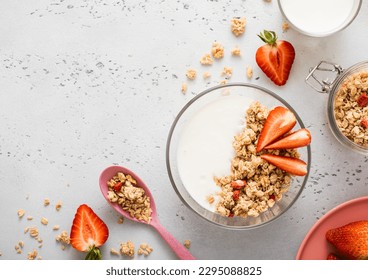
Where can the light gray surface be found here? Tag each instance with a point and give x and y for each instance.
(87, 84)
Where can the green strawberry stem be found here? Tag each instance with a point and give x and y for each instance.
(94, 254)
(269, 37)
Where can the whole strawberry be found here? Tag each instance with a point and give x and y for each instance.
(350, 240)
(275, 58)
(88, 232)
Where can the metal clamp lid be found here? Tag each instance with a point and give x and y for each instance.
(323, 85)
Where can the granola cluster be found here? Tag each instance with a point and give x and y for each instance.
(351, 110)
(123, 190)
(254, 185)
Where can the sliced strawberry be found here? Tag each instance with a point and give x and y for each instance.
(363, 100)
(332, 257)
(275, 58)
(297, 139)
(88, 232)
(279, 121)
(291, 165)
(117, 186)
(364, 123)
(350, 240)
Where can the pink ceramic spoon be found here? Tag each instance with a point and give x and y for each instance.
(107, 174)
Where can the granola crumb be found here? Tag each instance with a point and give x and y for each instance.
(21, 213)
(285, 26)
(26, 229)
(223, 82)
(187, 244)
(63, 238)
(32, 255)
(56, 227)
(249, 72)
(227, 72)
(127, 248)
(114, 252)
(236, 51)
(58, 205)
(121, 220)
(206, 75)
(191, 74)
(39, 258)
(217, 50)
(1, 253)
(46, 202)
(21, 244)
(44, 221)
(18, 249)
(206, 59)
(238, 26)
(184, 88)
(144, 249)
(29, 218)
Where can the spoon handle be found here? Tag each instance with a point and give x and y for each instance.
(177, 247)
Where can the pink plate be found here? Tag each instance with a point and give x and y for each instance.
(315, 245)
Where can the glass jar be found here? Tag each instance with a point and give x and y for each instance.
(344, 113)
(318, 18)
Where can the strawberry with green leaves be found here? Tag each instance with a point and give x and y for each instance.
(88, 232)
(275, 58)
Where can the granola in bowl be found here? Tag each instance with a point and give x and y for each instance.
(254, 184)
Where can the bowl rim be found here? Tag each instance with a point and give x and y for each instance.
(170, 173)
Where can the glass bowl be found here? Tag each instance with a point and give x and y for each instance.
(195, 198)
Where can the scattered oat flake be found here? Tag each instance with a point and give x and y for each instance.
(206, 59)
(114, 252)
(29, 218)
(184, 88)
(46, 202)
(238, 26)
(206, 75)
(21, 213)
(127, 248)
(1, 253)
(217, 50)
(21, 244)
(223, 82)
(191, 74)
(249, 72)
(285, 26)
(187, 243)
(26, 229)
(236, 51)
(44, 221)
(227, 71)
(55, 227)
(58, 205)
(33, 232)
(144, 249)
(121, 220)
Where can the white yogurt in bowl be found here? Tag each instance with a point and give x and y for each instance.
(319, 18)
(205, 147)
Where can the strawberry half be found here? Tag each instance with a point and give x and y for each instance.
(297, 139)
(279, 121)
(291, 165)
(88, 232)
(275, 58)
(350, 240)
